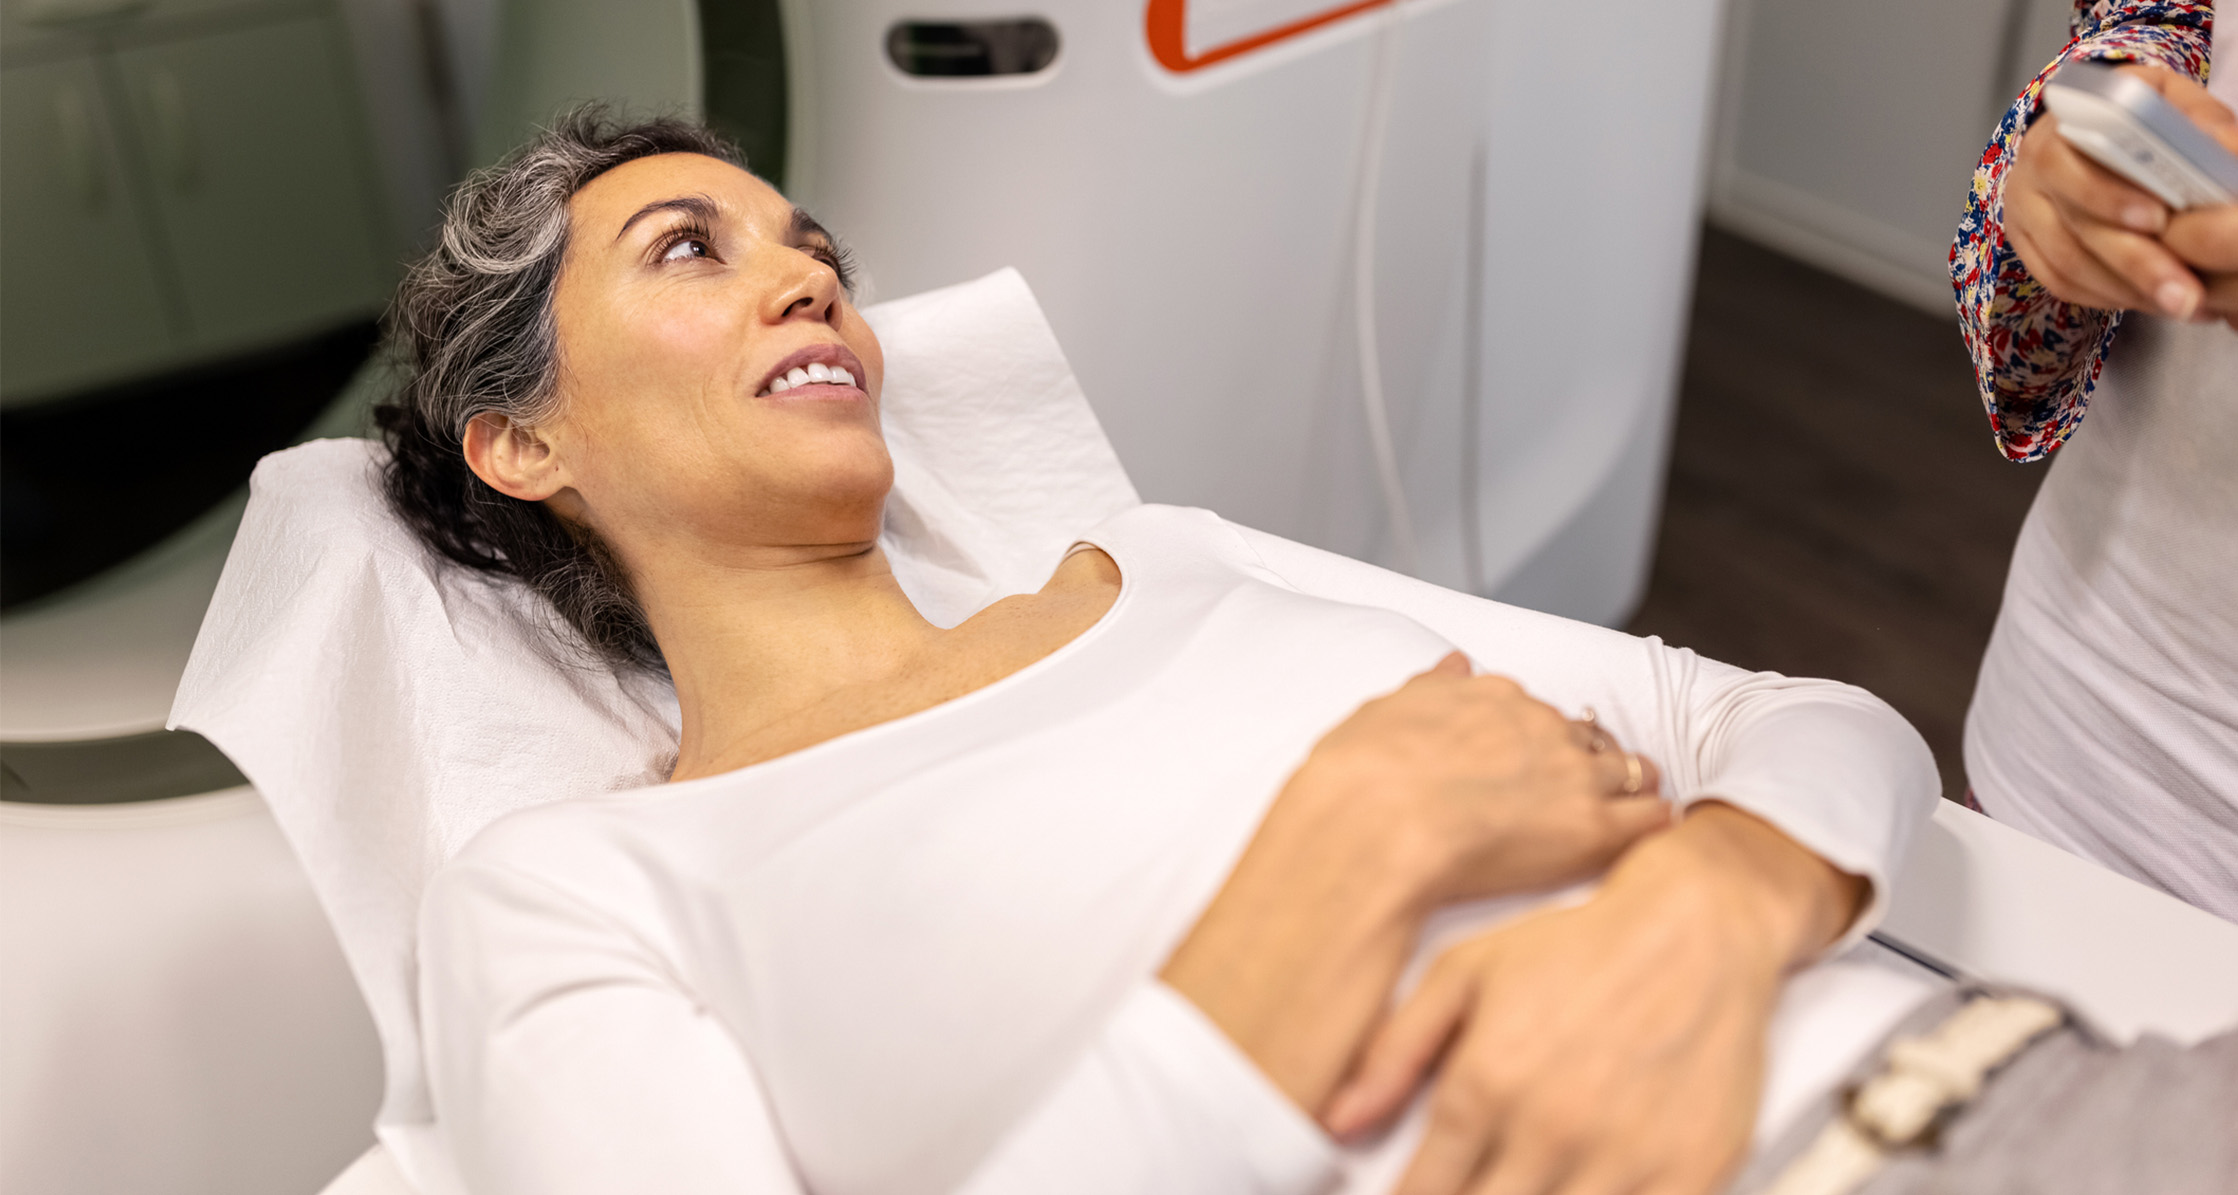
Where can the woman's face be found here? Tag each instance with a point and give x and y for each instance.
(692, 302)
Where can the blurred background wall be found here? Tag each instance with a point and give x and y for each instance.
(1847, 132)
(1836, 506)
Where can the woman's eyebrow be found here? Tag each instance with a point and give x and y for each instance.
(805, 225)
(699, 206)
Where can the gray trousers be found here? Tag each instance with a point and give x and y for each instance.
(2070, 1115)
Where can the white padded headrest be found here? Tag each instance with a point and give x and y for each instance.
(388, 707)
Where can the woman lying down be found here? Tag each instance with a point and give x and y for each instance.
(1108, 888)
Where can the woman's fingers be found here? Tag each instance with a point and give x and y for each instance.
(2049, 258)
(1403, 1048)
(1623, 773)
(2185, 95)
(1589, 736)
(1602, 1177)
(2144, 264)
(2206, 239)
(1449, 1155)
(2047, 246)
(2114, 229)
(1526, 1164)
(2093, 238)
(1454, 664)
(2056, 257)
(2222, 297)
(2083, 186)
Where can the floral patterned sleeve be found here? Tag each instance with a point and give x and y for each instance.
(2036, 358)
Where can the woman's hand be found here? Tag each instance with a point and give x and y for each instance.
(2094, 239)
(1479, 788)
(1452, 786)
(1617, 1046)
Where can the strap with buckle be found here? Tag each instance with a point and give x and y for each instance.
(1924, 1080)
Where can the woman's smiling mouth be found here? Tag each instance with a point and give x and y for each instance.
(822, 370)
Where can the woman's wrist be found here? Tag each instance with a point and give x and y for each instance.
(1735, 867)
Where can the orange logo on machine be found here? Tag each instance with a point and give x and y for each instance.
(1189, 35)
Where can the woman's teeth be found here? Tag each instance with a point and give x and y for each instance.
(802, 376)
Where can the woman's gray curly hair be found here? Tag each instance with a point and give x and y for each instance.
(474, 321)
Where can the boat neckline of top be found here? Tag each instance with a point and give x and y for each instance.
(989, 691)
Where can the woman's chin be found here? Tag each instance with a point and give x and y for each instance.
(849, 482)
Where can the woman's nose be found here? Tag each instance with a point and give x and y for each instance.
(811, 290)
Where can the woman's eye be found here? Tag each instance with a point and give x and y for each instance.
(687, 247)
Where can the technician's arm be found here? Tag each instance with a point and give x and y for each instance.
(2036, 354)
(2095, 240)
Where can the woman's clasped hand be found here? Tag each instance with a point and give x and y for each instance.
(1614, 1046)
(1451, 787)
(1617, 1046)
(1479, 789)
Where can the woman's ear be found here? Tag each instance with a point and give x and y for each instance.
(512, 459)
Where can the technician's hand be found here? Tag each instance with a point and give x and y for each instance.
(2094, 239)
(2207, 240)
(1452, 786)
(1613, 1047)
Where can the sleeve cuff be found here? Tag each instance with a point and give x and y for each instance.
(1840, 774)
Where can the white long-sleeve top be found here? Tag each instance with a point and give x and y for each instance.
(922, 956)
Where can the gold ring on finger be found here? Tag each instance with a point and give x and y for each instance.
(1635, 776)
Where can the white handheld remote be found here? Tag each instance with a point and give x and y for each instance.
(2121, 123)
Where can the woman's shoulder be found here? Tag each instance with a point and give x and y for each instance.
(1158, 519)
(1172, 532)
(599, 850)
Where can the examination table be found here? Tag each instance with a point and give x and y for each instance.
(228, 1050)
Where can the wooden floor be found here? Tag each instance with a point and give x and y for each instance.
(1836, 506)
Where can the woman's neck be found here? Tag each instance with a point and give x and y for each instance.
(754, 645)
(773, 657)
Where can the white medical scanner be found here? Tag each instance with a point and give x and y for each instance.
(1400, 278)
(1384, 277)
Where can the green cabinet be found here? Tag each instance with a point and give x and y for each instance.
(182, 185)
(260, 180)
(79, 287)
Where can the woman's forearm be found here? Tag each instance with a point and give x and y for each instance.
(1296, 956)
